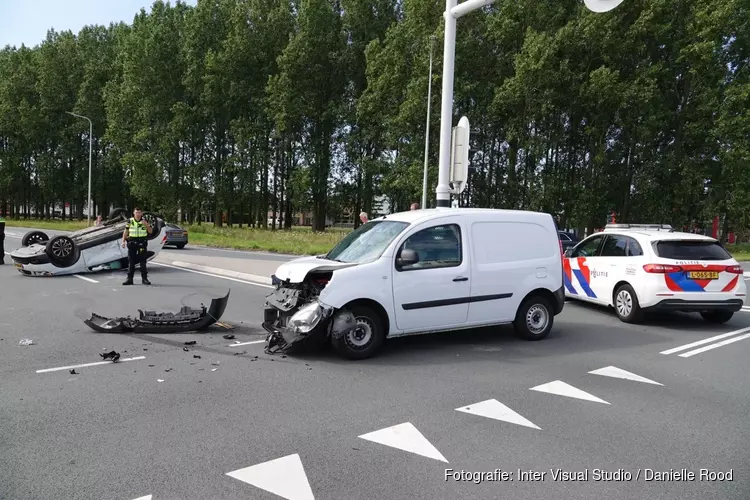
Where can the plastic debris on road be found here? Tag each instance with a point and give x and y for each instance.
(26, 342)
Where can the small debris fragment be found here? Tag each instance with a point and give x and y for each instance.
(240, 353)
(215, 363)
(214, 369)
(283, 355)
(159, 380)
(309, 368)
(145, 349)
(229, 337)
(151, 366)
(73, 372)
(26, 342)
(168, 370)
(114, 356)
(196, 356)
(186, 349)
(190, 342)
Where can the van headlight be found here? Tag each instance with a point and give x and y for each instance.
(308, 317)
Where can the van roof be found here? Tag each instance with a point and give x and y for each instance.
(412, 216)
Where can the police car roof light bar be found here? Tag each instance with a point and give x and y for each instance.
(658, 227)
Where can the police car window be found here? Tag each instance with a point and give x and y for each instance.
(588, 247)
(633, 249)
(438, 246)
(614, 246)
(691, 250)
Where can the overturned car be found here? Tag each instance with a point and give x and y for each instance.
(93, 249)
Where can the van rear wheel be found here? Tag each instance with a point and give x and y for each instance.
(534, 319)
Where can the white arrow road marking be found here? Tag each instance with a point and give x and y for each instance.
(283, 476)
(405, 437)
(492, 408)
(614, 372)
(562, 389)
(704, 341)
(84, 278)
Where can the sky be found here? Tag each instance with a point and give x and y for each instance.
(27, 21)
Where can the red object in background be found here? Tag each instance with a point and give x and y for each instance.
(715, 231)
(731, 238)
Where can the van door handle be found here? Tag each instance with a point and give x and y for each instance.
(461, 278)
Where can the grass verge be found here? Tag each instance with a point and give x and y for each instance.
(297, 241)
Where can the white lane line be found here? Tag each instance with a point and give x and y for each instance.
(211, 274)
(714, 346)
(704, 341)
(47, 370)
(84, 278)
(246, 343)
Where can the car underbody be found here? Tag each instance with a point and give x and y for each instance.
(290, 301)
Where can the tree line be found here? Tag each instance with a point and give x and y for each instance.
(241, 108)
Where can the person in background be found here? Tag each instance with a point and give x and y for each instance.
(98, 220)
(414, 206)
(2, 239)
(363, 217)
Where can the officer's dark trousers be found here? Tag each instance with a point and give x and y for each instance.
(2, 242)
(137, 253)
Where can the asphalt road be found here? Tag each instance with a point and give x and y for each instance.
(115, 431)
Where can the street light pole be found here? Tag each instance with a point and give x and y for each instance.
(453, 11)
(427, 128)
(91, 139)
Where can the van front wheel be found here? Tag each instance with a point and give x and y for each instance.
(534, 319)
(363, 341)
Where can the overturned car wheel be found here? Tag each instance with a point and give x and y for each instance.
(119, 213)
(33, 237)
(364, 340)
(62, 251)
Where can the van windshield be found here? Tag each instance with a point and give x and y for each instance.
(368, 242)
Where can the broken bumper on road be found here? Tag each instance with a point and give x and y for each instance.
(289, 327)
(186, 320)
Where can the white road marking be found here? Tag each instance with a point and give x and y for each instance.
(611, 371)
(47, 370)
(84, 278)
(210, 274)
(562, 389)
(492, 408)
(405, 437)
(704, 341)
(246, 343)
(147, 497)
(283, 476)
(714, 346)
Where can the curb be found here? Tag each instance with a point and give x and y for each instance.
(222, 272)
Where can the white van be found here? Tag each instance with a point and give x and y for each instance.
(422, 271)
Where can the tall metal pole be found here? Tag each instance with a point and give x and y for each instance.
(453, 11)
(442, 190)
(427, 128)
(91, 148)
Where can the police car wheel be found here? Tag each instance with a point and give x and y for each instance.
(365, 340)
(534, 319)
(626, 305)
(717, 316)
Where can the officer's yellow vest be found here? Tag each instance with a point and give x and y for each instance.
(136, 229)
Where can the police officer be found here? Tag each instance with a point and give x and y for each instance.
(2, 239)
(135, 237)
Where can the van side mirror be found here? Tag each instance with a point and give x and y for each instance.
(407, 258)
(568, 252)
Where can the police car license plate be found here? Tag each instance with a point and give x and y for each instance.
(703, 275)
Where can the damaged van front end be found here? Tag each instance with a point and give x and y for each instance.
(294, 314)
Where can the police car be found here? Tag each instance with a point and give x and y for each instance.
(638, 268)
